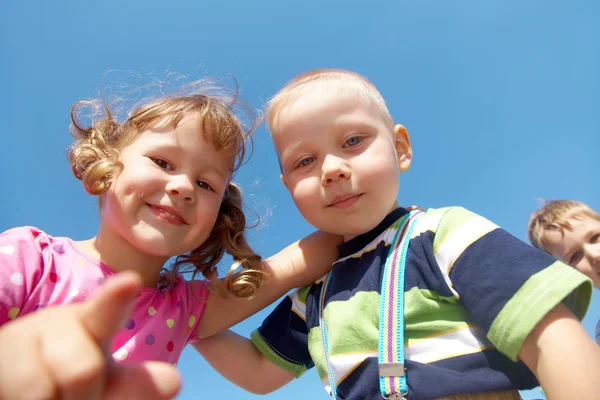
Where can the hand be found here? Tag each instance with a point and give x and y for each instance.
(64, 352)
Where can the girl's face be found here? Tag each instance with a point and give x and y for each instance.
(166, 199)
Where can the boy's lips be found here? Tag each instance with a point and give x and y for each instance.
(168, 214)
(343, 201)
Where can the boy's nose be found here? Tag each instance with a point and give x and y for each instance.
(334, 169)
(593, 253)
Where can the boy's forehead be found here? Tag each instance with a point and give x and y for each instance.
(577, 224)
(318, 103)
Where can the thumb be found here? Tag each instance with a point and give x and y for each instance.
(105, 313)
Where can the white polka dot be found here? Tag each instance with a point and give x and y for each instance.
(74, 292)
(151, 310)
(17, 279)
(120, 354)
(7, 249)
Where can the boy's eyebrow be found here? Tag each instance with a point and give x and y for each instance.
(283, 156)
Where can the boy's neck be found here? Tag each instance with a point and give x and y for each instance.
(394, 206)
(119, 255)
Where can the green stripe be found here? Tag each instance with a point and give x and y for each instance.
(428, 221)
(265, 349)
(303, 293)
(452, 220)
(353, 325)
(540, 293)
(427, 314)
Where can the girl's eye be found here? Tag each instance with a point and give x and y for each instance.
(162, 163)
(595, 238)
(204, 185)
(575, 257)
(353, 141)
(305, 161)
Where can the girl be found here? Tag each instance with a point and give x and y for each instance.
(163, 178)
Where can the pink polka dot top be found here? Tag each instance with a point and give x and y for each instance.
(38, 270)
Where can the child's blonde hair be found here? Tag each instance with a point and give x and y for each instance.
(555, 215)
(335, 78)
(94, 160)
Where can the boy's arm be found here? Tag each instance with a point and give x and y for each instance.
(299, 264)
(236, 358)
(563, 357)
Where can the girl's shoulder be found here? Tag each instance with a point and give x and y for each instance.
(24, 238)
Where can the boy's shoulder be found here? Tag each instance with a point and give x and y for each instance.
(451, 222)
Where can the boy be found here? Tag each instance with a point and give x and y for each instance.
(570, 231)
(475, 297)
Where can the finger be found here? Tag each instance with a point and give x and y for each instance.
(74, 359)
(23, 374)
(151, 380)
(105, 313)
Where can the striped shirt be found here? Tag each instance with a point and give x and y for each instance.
(472, 294)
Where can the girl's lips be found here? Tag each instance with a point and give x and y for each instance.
(167, 214)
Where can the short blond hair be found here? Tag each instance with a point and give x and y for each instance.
(336, 78)
(94, 159)
(555, 215)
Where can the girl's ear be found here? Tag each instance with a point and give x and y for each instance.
(403, 148)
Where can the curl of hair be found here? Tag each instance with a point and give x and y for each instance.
(246, 275)
(93, 156)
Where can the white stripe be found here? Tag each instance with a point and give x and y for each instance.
(298, 306)
(344, 363)
(465, 341)
(457, 241)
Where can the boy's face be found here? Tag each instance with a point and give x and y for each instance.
(579, 247)
(339, 159)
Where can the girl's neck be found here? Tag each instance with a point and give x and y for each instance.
(120, 255)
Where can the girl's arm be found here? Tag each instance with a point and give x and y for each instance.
(64, 352)
(236, 358)
(299, 264)
(563, 357)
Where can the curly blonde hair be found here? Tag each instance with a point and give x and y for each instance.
(555, 215)
(94, 159)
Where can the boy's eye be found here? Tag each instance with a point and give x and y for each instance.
(162, 163)
(353, 141)
(305, 161)
(595, 238)
(204, 185)
(575, 257)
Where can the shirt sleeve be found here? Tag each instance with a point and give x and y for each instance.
(506, 285)
(598, 332)
(21, 262)
(196, 297)
(283, 335)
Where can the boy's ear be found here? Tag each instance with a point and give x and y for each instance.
(284, 181)
(403, 148)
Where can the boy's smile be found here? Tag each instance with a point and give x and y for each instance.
(339, 158)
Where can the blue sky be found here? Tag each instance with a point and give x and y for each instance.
(501, 99)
